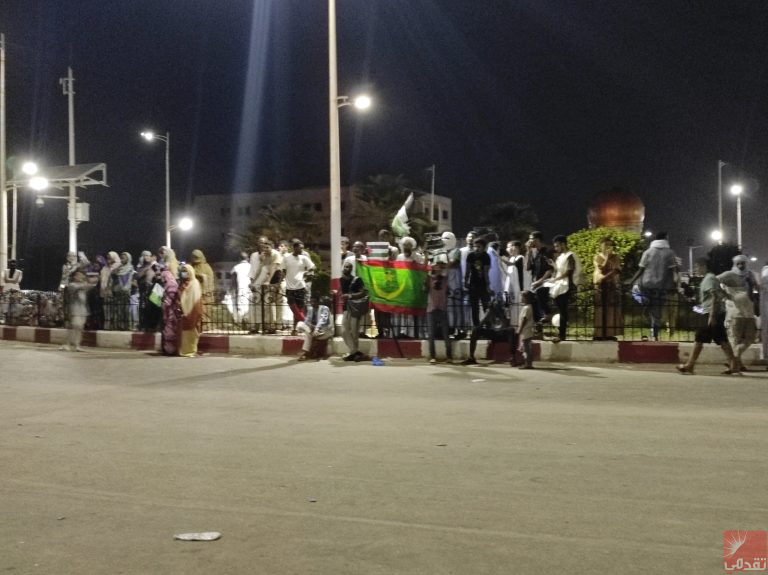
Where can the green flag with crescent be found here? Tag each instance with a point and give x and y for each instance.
(395, 287)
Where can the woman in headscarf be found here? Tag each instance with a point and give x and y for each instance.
(169, 336)
(204, 274)
(94, 296)
(74, 262)
(106, 280)
(191, 303)
(122, 284)
(170, 262)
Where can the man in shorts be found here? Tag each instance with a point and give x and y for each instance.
(712, 300)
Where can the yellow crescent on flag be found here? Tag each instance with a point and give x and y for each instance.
(388, 295)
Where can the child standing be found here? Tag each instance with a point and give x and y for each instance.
(437, 308)
(525, 328)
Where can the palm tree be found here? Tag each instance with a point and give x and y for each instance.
(281, 222)
(510, 220)
(375, 203)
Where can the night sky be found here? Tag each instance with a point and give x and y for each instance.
(539, 101)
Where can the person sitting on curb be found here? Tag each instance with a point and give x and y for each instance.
(318, 326)
(712, 303)
(494, 326)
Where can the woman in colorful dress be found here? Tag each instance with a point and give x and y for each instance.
(191, 303)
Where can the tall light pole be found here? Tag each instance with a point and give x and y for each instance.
(68, 88)
(333, 111)
(149, 136)
(720, 165)
(3, 190)
(737, 190)
(432, 194)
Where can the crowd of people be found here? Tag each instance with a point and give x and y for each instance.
(476, 290)
(158, 293)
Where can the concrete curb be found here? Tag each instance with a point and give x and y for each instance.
(259, 345)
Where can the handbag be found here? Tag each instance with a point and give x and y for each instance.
(156, 295)
(358, 307)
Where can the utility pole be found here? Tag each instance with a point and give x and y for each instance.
(68, 87)
(3, 190)
(432, 194)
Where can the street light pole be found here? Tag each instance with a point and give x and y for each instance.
(736, 190)
(68, 87)
(168, 189)
(335, 184)
(3, 191)
(432, 195)
(149, 136)
(720, 165)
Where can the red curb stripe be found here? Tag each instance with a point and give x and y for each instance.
(388, 348)
(214, 343)
(143, 341)
(89, 339)
(42, 335)
(292, 345)
(648, 352)
(499, 352)
(9, 333)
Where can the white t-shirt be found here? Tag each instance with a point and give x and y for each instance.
(241, 271)
(295, 267)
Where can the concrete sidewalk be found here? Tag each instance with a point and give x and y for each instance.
(260, 346)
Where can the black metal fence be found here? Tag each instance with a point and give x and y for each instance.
(593, 315)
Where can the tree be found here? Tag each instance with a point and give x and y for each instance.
(510, 220)
(279, 223)
(585, 244)
(376, 202)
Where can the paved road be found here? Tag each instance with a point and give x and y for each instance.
(335, 468)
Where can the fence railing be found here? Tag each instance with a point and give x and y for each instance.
(593, 315)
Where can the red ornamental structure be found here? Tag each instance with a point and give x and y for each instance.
(617, 208)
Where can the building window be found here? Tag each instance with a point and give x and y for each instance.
(445, 215)
(247, 210)
(342, 205)
(239, 211)
(318, 207)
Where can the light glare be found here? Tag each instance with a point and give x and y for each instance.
(38, 183)
(362, 102)
(29, 168)
(185, 224)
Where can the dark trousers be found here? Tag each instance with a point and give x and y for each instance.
(295, 299)
(540, 303)
(562, 302)
(438, 319)
(477, 298)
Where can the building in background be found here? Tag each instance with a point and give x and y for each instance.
(218, 216)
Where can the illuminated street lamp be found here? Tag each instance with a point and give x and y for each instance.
(184, 224)
(737, 190)
(149, 136)
(716, 236)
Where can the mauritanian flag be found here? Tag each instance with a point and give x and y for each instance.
(395, 287)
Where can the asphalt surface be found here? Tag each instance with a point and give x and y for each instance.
(335, 468)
